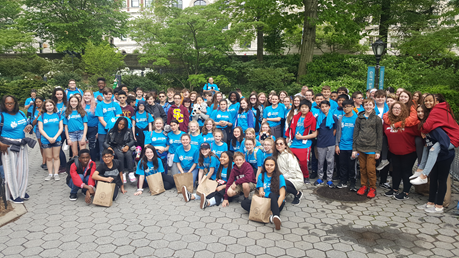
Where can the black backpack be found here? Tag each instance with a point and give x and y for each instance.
(69, 165)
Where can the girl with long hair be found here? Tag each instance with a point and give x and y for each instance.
(208, 130)
(186, 156)
(37, 111)
(208, 162)
(252, 154)
(218, 96)
(149, 165)
(245, 117)
(218, 146)
(76, 124)
(265, 133)
(158, 139)
(60, 100)
(141, 123)
(89, 104)
(257, 110)
(195, 134)
(270, 184)
(175, 140)
(234, 105)
(293, 111)
(236, 142)
(223, 119)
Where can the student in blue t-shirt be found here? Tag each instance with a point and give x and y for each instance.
(208, 130)
(76, 125)
(173, 137)
(37, 111)
(235, 104)
(89, 104)
(236, 142)
(268, 148)
(273, 115)
(270, 184)
(150, 164)
(158, 138)
(106, 110)
(72, 89)
(195, 134)
(186, 157)
(252, 154)
(245, 117)
(207, 163)
(343, 148)
(29, 103)
(223, 119)
(141, 121)
(210, 87)
(50, 125)
(218, 146)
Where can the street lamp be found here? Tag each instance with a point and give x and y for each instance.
(378, 50)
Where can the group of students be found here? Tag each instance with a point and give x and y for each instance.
(269, 143)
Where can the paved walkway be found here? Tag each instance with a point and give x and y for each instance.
(165, 226)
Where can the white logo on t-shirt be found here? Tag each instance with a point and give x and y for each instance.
(13, 124)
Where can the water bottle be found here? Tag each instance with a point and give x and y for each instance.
(356, 156)
(115, 83)
(138, 151)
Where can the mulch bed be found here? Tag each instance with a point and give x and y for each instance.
(3, 211)
(342, 195)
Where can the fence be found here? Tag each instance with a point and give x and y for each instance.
(455, 169)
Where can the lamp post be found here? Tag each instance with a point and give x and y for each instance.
(378, 50)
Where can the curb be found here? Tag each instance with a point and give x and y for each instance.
(18, 211)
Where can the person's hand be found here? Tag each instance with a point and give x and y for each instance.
(87, 198)
(4, 148)
(28, 128)
(298, 136)
(423, 135)
(110, 148)
(337, 150)
(125, 149)
(261, 193)
(225, 203)
(354, 154)
(122, 189)
(135, 139)
(109, 179)
(99, 98)
(233, 186)
(377, 155)
(69, 141)
(52, 140)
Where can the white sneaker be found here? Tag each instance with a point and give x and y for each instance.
(424, 206)
(124, 178)
(132, 177)
(271, 219)
(48, 177)
(418, 181)
(56, 177)
(277, 222)
(434, 210)
(416, 174)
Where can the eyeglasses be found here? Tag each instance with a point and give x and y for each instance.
(279, 143)
(253, 99)
(162, 96)
(107, 157)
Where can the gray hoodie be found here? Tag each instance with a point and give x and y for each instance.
(368, 133)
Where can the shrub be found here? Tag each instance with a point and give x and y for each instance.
(21, 88)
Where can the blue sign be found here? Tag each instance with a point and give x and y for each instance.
(381, 77)
(371, 77)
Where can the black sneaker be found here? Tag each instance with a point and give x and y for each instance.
(300, 195)
(296, 201)
(18, 200)
(352, 187)
(73, 197)
(390, 193)
(401, 196)
(43, 166)
(26, 196)
(313, 175)
(341, 185)
(186, 194)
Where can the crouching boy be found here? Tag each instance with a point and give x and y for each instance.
(241, 179)
(81, 172)
(110, 171)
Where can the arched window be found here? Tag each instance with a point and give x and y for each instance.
(200, 2)
(178, 4)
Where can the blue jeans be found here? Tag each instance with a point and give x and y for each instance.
(76, 188)
(91, 135)
(429, 158)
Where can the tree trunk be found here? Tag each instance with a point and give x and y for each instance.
(260, 44)
(309, 36)
(384, 21)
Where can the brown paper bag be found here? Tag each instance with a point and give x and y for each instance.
(155, 183)
(184, 179)
(207, 186)
(260, 209)
(104, 194)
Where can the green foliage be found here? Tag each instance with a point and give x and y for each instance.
(12, 35)
(21, 88)
(102, 60)
(267, 79)
(15, 68)
(62, 79)
(69, 25)
(196, 80)
(133, 81)
(46, 91)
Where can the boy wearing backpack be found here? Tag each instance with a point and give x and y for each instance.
(80, 175)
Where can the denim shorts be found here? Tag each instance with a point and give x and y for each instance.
(51, 145)
(76, 136)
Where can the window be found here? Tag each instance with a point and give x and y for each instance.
(200, 2)
(148, 3)
(246, 45)
(371, 39)
(178, 4)
(135, 3)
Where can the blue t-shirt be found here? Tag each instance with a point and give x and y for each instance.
(196, 140)
(218, 150)
(338, 113)
(137, 101)
(315, 111)
(237, 148)
(34, 115)
(300, 144)
(219, 115)
(142, 120)
(266, 183)
(271, 112)
(75, 122)
(27, 102)
(14, 125)
(174, 141)
(107, 111)
(211, 86)
(224, 174)
(150, 170)
(325, 137)
(209, 138)
(50, 126)
(252, 159)
(234, 109)
(112, 122)
(210, 162)
(257, 143)
(186, 158)
(261, 159)
(347, 132)
(97, 93)
(333, 104)
(93, 120)
(156, 139)
(72, 92)
(61, 108)
(242, 121)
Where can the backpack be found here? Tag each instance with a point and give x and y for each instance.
(77, 164)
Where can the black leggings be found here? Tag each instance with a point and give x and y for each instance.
(438, 178)
(402, 165)
(168, 182)
(274, 205)
(218, 195)
(290, 188)
(140, 137)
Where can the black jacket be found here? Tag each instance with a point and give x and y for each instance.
(156, 111)
(128, 139)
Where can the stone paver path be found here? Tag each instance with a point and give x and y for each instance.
(165, 226)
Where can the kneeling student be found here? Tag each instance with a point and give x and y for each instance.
(81, 173)
(241, 179)
(109, 171)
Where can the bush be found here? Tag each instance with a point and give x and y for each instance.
(62, 79)
(21, 88)
(133, 81)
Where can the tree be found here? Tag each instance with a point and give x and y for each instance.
(102, 59)
(70, 24)
(12, 35)
(186, 40)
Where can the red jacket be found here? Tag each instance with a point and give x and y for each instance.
(241, 175)
(439, 116)
(309, 121)
(401, 140)
(77, 179)
(180, 114)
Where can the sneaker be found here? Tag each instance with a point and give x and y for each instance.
(132, 177)
(300, 195)
(352, 187)
(48, 177)
(371, 193)
(313, 175)
(390, 193)
(416, 174)
(61, 170)
(56, 177)
(434, 210)
(124, 178)
(341, 185)
(296, 200)
(418, 181)
(204, 202)
(401, 196)
(318, 182)
(306, 181)
(362, 190)
(277, 222)
(73, 197)
(43, 166)
(383, 164)
(385, 185)
(425, 206)
(186, 194)
(18, 200)
(330, 184)
(26, 196)
(271, 219)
